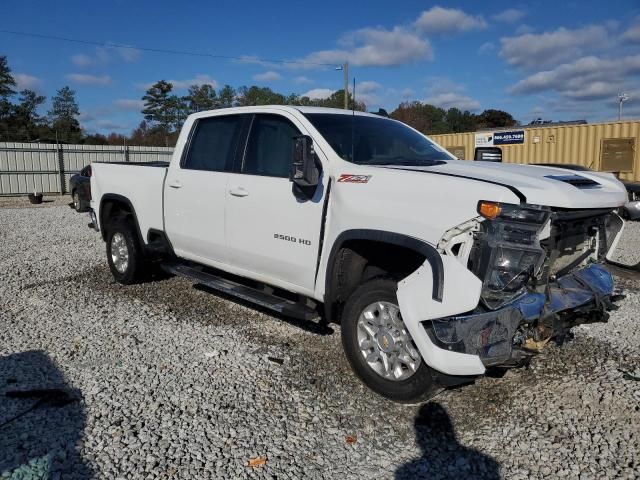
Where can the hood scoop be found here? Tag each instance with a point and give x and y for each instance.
(575, 180)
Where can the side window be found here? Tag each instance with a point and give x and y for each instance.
(270, 146)
(213, 143)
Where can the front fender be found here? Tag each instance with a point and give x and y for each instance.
(460, 293)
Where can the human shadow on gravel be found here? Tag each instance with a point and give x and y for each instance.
(41, 420)
(442, 456)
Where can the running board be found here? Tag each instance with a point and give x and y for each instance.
(281, 305)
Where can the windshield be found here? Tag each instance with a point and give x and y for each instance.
(376, 141)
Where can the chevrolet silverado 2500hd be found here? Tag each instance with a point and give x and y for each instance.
(435, 268)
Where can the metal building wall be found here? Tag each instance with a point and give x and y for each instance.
(47, 168)
(580, 144)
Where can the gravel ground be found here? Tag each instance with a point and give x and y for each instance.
(164, 380)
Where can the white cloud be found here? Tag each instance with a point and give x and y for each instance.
(632, 35)
(445, 93)
(453, 100)
(368, 86)
(374, 47)
(86, 117)
(106, 54)
(486, 47)
(511, 15)
(302, 80)
(129, 104)
(524, 28)
(407, 93)
(549, 48)
(267, 76)
(439, 20)
(82, 60)
(28, 82)
(93, 80)
(318, 93)
(128, 54)
(254, 60)
(588, 78)
(367, 92)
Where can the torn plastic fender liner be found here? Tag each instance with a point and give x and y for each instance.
(461, 293)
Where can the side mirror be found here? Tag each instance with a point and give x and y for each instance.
(304, 170)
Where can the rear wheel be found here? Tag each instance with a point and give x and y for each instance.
(379, 347)
(124, 254)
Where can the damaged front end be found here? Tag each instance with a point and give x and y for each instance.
(541, 273)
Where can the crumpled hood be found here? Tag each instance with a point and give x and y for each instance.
(554, 187)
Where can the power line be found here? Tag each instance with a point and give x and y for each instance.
(163, 50)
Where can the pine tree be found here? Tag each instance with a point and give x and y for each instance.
(25, 119)
(201, 97)
(7, 82)
(63, 116)
(160, 107)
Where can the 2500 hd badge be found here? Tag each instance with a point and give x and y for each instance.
(290, 238)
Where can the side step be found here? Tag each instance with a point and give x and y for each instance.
(272, 302)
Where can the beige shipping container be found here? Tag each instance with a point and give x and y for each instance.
(608, 146)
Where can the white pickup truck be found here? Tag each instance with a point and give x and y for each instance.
(435, 268)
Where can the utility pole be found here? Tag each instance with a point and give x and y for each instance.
(345, 69)
(622, 97)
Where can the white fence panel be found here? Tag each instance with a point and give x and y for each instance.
(47, 168)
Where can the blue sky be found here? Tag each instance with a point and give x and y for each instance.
(550, 59)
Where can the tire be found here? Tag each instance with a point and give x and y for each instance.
(122, 240)
(420, 384)
(77, 203)
(625, 214)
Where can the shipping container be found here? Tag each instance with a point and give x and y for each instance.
(607, 146)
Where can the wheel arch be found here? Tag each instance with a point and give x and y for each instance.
(355, 250)
(110, 205)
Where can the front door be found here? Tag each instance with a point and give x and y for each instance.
(271, 232)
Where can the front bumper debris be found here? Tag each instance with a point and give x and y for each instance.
(497, 336)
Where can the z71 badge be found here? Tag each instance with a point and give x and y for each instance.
(350, 178)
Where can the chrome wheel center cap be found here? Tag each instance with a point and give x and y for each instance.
(385, 340)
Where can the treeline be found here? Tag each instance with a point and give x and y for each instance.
(164, 113)
(433, 120)
(20, 120)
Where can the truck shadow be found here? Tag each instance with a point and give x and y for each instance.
(41, 420)
(442, 455)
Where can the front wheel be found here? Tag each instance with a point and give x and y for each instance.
(124, 255)
(379, 346)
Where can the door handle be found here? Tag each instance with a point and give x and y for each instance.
(238, 192)
(175, 184)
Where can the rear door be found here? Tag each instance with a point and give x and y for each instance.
(195, 189)
(273, 234)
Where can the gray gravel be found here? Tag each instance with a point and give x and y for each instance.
(164, 380)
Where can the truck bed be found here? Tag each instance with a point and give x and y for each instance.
(140, 183)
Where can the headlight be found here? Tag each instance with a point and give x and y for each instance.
(509, 252)
(515, 213)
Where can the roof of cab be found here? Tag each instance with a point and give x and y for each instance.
(289, 108)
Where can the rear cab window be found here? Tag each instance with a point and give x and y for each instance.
(215, 143)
